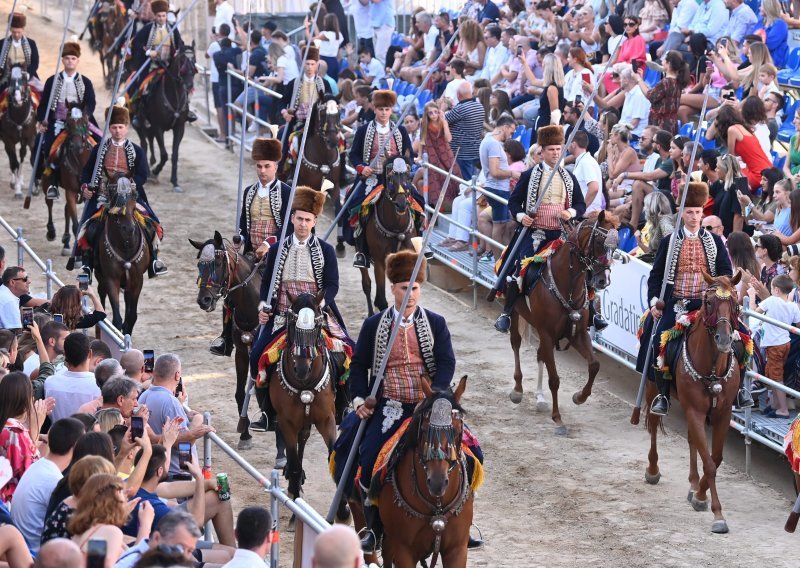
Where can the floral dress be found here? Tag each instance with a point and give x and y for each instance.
(665, 98)
(18, 448)
(55, 526)
(440, 155)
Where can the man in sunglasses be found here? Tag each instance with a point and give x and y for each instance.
(15, 294)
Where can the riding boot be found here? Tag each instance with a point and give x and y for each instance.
(87, 260)
(660, 405)
(157, 268)
(269, 418)
(373, 532)
(223, 345)
(503, 323)
(361, 259)
(262, 424)
(595, 317)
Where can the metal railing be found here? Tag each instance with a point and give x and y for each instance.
(122, 342)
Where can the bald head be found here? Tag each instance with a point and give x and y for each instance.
(133, 363)
(337, 547)
(464, 91)
(57, 553)
(714, 224)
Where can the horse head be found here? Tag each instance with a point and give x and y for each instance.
(121, 197)
(329, 117)
(213, 271)
(397, 173)
(18, 89)
(721, 308)
(598, 238)
(304, 321)
(184, 66)
(78, 142)
(435, 432)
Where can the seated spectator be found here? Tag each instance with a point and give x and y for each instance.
(76, 385)
(754, 113)
(587, 172)
(471, 48)
(369, 69)
(38, 482)
(572, 112)
(337, 547)
(741, 142)
(768, 78)
(177, 530)
(742, 20)
(659, 223)
(786, 201)
(13, 549)
(725, 191)
(682, 14)
(67, 301)
(497, 55)
(58, 553)
(621, 158)
(792, 165)
(462, 211)
(15, 284)
(777, 31)
(498, 106)
(608, 119)
(762, 209)
(713, 224)
(634, 48)
(254, 535)
(515, 154)
(579, 80)
(455, 78)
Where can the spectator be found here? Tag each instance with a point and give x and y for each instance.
(499, 105)
(665, 96)
(777, 31)
(768, 253)
(776, 341)
(654, 16)
(708, 167)
(121, 393)
(462, 210)
(579, 77)
(489, 13)
(223, 16)
(132, 362)
(100, 352)
(337, 547)
(76, 385)
(58, 553)
(621, 158)
(331, 39)
(466, 126)
(608, 119)
(515, 154)
(725, 190)
(435, 139)
(53, 335)
(742, 20)
(583, 30)
(106, 419)
(710, 19)
(226, 57)
(177, 530)
(659, 223)
(411, 122)
(587, 172)
(784, 201)
(67, 301)
(381, 18)
(15, 284)
(754, 114)
(21, 418)
(611, 35)
(38, 482)
(471, 48)
(682, 13)
(13, 549)
(572, 112)
(254, 534)
(455, 78)
(496, 55)
(768, 79)
(636, 108)
(741, 142)
(369, 69)
(764, 209)
(633, 49)
(10, 344)
(713, 224)
(322, 71)
(743, 256)
(284, 71)
(551, 101)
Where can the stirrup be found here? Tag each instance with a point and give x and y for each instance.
(52, 192)
(219, 347)
(660, 405)
(744, 399)
(503, 323)
(599, 322)
(369, 543)
(159, 268)
(360, 260)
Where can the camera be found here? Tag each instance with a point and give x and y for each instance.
(96, 553)
(519, 51)
(27, 317)
(149, 360)
(137, 427)
(58, 318)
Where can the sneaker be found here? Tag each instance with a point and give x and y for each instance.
(488, 257)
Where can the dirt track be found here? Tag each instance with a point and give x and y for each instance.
(547, 501)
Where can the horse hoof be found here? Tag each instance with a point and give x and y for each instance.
(576, 398)
(51, 234)
(152, 179)
(699, 506)
(652, 479)
(177, 189)
(719, 527)
(242, 445)
(561, 430)
(515, 396)
(18, 195)
(66, 251)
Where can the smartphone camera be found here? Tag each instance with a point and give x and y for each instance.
(83, 281)
(149, 360)
(519, 51)
(578, 99)
(96, 554)
(184, 455)
(137, 427)
(27, 317)
(58, 318)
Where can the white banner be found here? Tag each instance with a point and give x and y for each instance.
(624, 302)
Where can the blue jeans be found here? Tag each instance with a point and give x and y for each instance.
(467, 168)
(521, 99)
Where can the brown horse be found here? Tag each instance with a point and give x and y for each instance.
(389, 228)
(123, 256)
(707, 379)
(18, 125)
(559, 306)
(110, 23)
(226, 274)
(426, 503)
(72, 156)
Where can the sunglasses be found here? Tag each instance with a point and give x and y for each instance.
(22, 279)
(631, 24)
(712, 227)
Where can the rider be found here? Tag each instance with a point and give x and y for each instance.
(422, 351)
(562, 201)
(18, 50)
(263, 211)
(146, 44)
(119, 157)
(368, 162)
(305, 264)
(695, 249)
(71, 90)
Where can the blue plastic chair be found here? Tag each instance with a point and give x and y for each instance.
(686, 130)
(398, 86)
(651, 77)
(518, 133)
(410, 89)
(790, 71)
(525, 140)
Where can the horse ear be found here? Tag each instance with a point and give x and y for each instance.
(706, 276)
(195, 244)
(737, 277)
(426, 388)
(460, 388)
(217, 239)
(601, 217)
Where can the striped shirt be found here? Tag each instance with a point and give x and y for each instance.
(466, 126)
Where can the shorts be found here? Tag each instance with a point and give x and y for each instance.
(217, 93)
(500, 213)
(776, 357)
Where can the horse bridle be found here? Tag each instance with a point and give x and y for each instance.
(325, 169)
(305, 343)
(80, 132)
(21, 84)
(209, 267)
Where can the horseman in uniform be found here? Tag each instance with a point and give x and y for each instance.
(305, 264)
(18, 50)
(72, 90)
(261, 220)
(562, 201)
(119, 157)
(146, 44)
(695, 250)
(364, 152)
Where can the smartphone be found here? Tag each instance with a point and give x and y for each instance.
(184, 455)
(137, 427)
(742, 185)
(578, 99)
(58, 318)
(83, 281)
(179, 388)
(96, 554)
(587, 77)
(519, 51)
(149, 360)
(27, 317)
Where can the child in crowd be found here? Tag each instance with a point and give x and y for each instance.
(776, 340)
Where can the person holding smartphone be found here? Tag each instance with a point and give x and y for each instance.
(68, 301)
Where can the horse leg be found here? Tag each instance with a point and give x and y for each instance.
(583, 345)
(545, 353)
(720, 418)
(516, 342)
(653, 422)
(51, 227)
(112, 289)
(380, 284)
(697, 424)
(366, 286)
(133, 288)
(20, 180)
(293, 469)
(11, 152)
(694, 476)
(177, 136)
(302, 438)
(241, 359)
(67, 236)
(162, 150)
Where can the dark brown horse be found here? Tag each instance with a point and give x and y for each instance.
(162, 109)
(72, 156)
(122, 255)
(110, 24)
(18, 125)
(389, 228)
(707, 379)
(226, 274)
(559, 306)
(426, 504)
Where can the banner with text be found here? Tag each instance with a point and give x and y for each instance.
(624, 302)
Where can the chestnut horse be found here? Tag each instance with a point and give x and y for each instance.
(224, 273)
(72, 156)
(558, 305)
(111, 25)
(18, 125)
(707, 379)
(426, 503)
(389, 229)
(122, 254)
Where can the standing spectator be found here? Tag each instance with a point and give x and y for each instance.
(15, 284)
(381, 18)
(435, 139)
(222, 31)
(579, 77)
(411, 123)
(75, 385)
(587, 172)
(741, 142)
(489, 13)
(726, 205)
(337, 547)
(710, 19)
(466, 126)
(777, 31)
(67, 301)
(741, 22)
(551, 101)
(132, 362)
(254, 535)
(499, 105)
(496, 55)
(455, 78)
(38, 482)
(359, 9)
(175, 529)
(636, 108)
(53, 335)
(224, 59)
(330, 39)
(335, 7)
(223, 15)
(665, 96)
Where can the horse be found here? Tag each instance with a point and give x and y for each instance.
(389, 229)
(426, 503)
(163, 108)
(123, 256)
(707, 378)
(72, 156)
(226, 274)
(18, 125)
(111, 25)
(558, 306)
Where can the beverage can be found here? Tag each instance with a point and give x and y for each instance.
(223, 487)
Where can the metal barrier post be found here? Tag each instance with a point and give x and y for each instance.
(207, 470)
(425, 179)
(473, 239)
(48, 273)
(229, 112)
(274, 549)
(20, 251)
(208, 101)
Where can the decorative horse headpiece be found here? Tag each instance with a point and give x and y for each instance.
(307, 327)
(440, 423)
(121, 195)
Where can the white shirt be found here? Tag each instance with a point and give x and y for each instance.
(777, 309)
(330, 48)
(451, 90)
(650, 162)
(31, 497)
(360, 13)
(429, 40)
(586, 171)
(636, 106)
(245, 559)
(224, 15)
(9, 309)
(71, 390)
(213, 48)
(373, 69)
(762, 133)
(495, 57)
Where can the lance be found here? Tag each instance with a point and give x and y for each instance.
(670, 254)
(512, 254)
(409, 105)
(379, 376)
(8, 32)
(38, 154)
(118, 39)
(794, 516)
(243, 125)
(91, 15)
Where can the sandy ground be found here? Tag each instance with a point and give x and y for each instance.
(547, 501)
